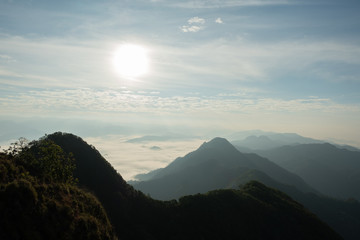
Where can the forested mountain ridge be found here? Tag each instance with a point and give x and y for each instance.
(252, 212)
(129, 210)
(39, 200)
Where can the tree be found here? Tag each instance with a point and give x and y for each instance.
(47, 160)
(17, 147)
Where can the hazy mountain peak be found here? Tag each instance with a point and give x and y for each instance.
(261, 137)
(217, 143)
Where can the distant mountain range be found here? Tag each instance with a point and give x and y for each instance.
(219, 165)
(272, 141)
(331, 170)
(248, 141)
(215, 164)
(280, 137)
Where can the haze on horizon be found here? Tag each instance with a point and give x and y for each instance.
(208, 67)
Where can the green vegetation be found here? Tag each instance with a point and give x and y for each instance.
(40, 199)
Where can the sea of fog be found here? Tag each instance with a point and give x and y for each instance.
(131, 158)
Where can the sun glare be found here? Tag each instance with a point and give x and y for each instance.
(131, 60)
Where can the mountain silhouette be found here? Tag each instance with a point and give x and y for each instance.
(218, 165)
(213, 165)
(35, 204)
(331, 170)
(128, 209)
(266, 141)
(257, 142)
(249, 213)
(252, 212)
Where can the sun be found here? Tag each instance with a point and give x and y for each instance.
(131, 60)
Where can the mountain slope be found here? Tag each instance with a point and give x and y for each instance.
(128, 209)
(253, 212)
(35, 209)
(212, 166)
(331, 170)
(217, 215)
(210, 173)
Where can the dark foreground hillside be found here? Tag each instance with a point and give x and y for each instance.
(253, 212)
(35, 208)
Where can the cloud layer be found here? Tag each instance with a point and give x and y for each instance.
(123, 101)
(130, 159)
(220, 64)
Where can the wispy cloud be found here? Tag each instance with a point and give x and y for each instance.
(43, 63)
(196, 20)
(7, 58)
(230, 63)
(53, 62)
(191, 28)
(219, 21)
(195, 25)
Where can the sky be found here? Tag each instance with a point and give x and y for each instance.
(213, 67)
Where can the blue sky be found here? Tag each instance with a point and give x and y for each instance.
(215, 66)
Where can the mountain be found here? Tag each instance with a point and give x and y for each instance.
(34, 205)
(331, 170)
(216, 165)
(129, 210)
(244, 134)
(38, 191)
(347, 147)
(257, 142)
(147, 176)
(248, 141)
(271, 140)
(253, 212)
(213, 165)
